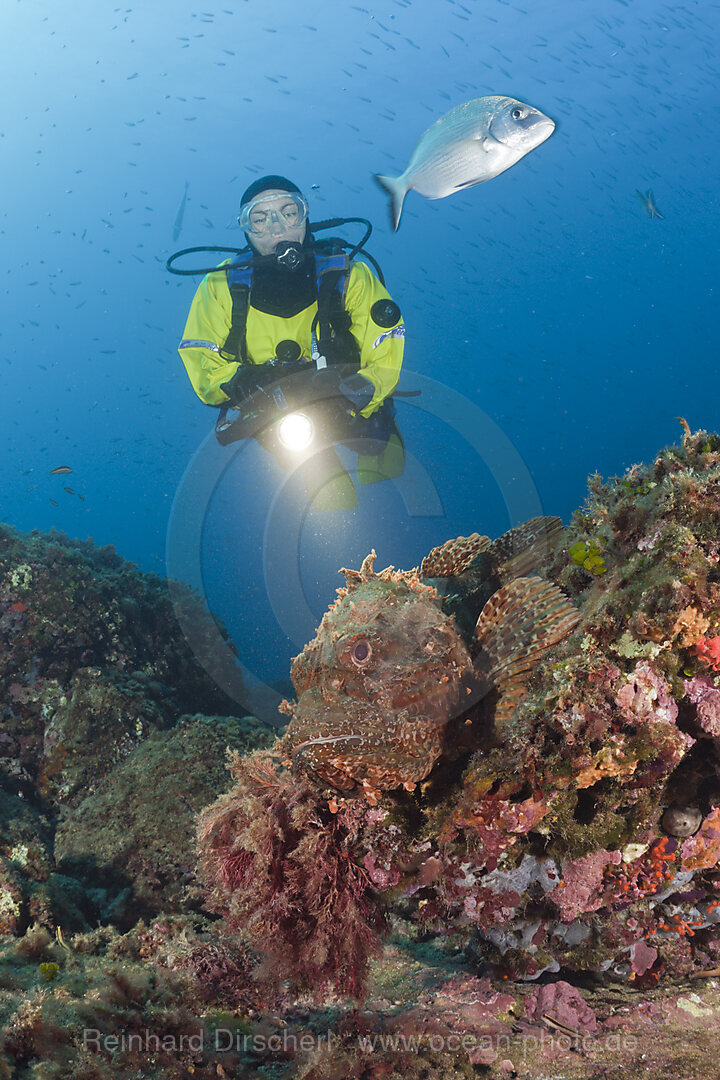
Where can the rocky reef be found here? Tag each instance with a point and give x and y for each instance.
(91, 661)
(110, 743)
(530, 889)
(107, 734)
(578, 830)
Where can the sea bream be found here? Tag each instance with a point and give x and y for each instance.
(392, 672)
(472, 143)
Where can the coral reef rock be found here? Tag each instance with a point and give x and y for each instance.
(549, 800)
(531, 891)
(101, 773)
(133, 840)
(91, 661)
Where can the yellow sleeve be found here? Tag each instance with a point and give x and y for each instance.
(381, 350)
(206, 331)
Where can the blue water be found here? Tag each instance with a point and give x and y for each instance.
(555, 329)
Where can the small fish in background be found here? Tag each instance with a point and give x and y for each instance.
(472, 143)
(177, 227)
(646, 198)
(60, 469)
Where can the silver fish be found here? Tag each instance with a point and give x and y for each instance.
(468, 145)
(177, 227)
(646, 198)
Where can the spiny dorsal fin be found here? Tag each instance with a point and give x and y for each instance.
(454, 556)
(368, 563)
(525, 548)
(354, 578)
(519, 624)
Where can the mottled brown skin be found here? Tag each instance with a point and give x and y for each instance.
(377, 685)
(389, 670)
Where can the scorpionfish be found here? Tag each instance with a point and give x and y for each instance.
(389, 667)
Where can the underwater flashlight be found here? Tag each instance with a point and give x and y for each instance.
(295, 432)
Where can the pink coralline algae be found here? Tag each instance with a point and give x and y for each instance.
(642, 957)
(497, 817)
(645, 696)
(703, 693)
(382, 877)
(563, 1003)
(702, 851)
(581, 888)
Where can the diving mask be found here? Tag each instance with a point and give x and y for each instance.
(273, 213)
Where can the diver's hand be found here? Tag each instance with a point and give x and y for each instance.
(345, 383)
(325, 382)
(246, 381)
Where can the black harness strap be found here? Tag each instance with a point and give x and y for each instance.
(330, 308)
(332, 322)
(235, 347)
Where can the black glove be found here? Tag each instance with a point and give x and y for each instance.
(343, 382)
(247, 380)
(358, 390)
(325, 382)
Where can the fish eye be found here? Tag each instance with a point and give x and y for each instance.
(361, 652)
(517, 114)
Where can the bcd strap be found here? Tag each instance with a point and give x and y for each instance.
(331, 313)
(332, 322)
(235, 347)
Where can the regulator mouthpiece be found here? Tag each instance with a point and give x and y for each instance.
(289, 255)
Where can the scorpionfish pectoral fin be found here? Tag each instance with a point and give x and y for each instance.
(519, 625)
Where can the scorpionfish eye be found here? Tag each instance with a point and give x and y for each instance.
(361, 652)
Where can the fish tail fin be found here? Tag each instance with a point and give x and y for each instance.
(397, 190)
(526, 548)
(519, 625)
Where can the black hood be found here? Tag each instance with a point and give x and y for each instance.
(267, 183)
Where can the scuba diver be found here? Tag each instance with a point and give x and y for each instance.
(299, 346)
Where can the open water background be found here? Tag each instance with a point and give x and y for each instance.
(554, 328)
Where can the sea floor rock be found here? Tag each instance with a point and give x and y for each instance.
(172, 998)
(132, 841)
(91, 660)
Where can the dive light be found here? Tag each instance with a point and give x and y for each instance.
(295, 432)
